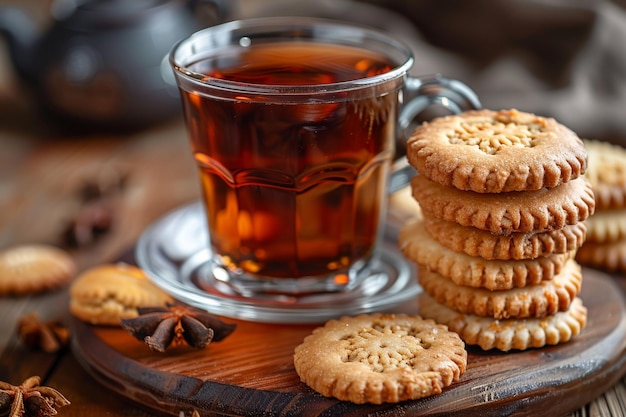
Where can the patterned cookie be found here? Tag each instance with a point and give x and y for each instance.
(606, 226)
(488, 151)
(505, 335)
(539, 300)
(472, 271)
(107, 293)
(380, 358)
(520, 212)
(607, 173)
(29, 269)
(514, 246)
(610, 256)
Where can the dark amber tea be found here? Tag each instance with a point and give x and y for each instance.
(294, 185)
(293, 122)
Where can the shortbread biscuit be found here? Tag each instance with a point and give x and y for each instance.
(107, 293)
(509, 334)
(607, 173)
(514, 246)
(505, 213)
(539, 300)
(488, 151)
(610, 256)
(473, 271)
(34, 268)
(380, 358)
(608, 225)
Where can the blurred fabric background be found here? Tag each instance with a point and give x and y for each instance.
(559, 58)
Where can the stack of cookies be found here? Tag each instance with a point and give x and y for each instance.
(503, 200)
(605, 246)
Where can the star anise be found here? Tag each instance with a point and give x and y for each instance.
(159, 327)
(96, 212)
(30, 399)
(91, 221)
(50, 336)
(107, 181)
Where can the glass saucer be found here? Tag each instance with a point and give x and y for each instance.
(174, 253)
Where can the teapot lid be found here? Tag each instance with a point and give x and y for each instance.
(93, 14)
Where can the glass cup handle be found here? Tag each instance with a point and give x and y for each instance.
(419, 94)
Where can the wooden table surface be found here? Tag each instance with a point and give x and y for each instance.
(39, 178)
(41, 173)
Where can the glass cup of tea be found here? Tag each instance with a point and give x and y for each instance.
(293, 125)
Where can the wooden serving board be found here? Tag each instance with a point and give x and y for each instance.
(251, 372)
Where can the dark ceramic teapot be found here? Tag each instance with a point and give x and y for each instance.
(101, 62)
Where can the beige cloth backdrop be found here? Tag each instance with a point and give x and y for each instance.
(560, 58)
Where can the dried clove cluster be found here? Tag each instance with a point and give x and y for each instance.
(96, 212)
(49, 336)
(159, 327)
(30, 399)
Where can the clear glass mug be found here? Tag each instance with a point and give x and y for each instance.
(293, 124)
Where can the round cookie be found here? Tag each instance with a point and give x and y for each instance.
(509, 334)
(539, 300)
(607, 173)
(514, 246)
(609, 256)
(29, 269)
(608, 225)
(488, 151)
(380, 358)
(505, 213)
(472, 271)
(107, 293)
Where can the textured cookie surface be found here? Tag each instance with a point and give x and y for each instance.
(490, 151)
(29, 269)
(505, 213)
(608, 225)
(609, 256)
(513, 246)
(472, 271)
(539, 300)
(509, 334)
(107, 293)
(378, 358)
(607, 173)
